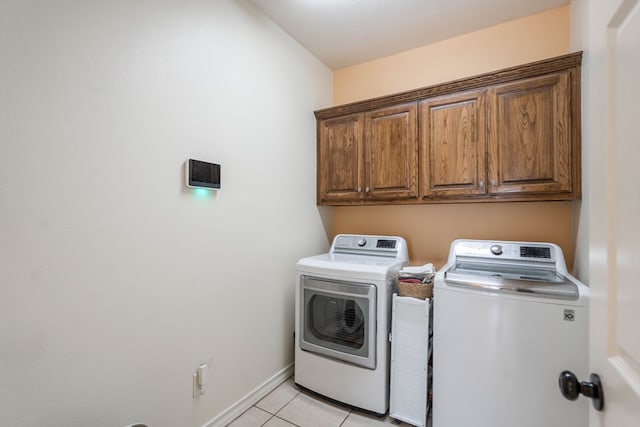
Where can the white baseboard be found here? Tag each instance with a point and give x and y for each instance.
(235, 410)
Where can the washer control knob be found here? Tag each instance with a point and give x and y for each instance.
(496, 249)
(362, 242)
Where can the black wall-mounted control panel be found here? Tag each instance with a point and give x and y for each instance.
(199, 174)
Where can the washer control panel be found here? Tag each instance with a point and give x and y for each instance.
(508, 251)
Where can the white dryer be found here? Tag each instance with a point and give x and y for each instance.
(343, 319)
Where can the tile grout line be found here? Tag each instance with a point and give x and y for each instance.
(287, 421)
(269, 419)
(288, 401)
(283, 406)
(345, 418)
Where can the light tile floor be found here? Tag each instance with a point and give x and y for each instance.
(289, 406)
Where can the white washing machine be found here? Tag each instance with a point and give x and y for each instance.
(508, 320)
(343, 319)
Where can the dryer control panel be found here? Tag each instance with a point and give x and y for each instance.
(387, 246)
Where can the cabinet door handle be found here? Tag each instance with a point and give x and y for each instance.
(481, 184)
(359, 189)
(493, 183)
(366, 189)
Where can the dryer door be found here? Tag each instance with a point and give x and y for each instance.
(338, 320)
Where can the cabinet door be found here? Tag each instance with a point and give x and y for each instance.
(530, 136)
(452, 143)
(340, 159)
(392, 153)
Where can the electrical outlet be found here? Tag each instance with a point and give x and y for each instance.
(200, 379)
(196, 389)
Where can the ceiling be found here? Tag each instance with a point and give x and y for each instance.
(342, 33)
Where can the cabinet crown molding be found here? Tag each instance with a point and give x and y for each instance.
(504, 75)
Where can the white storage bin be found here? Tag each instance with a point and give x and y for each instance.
(410, 353)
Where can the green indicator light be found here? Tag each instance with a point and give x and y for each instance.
(201, 193)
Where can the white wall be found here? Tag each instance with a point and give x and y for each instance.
(578, 40)
(115, 281)
(588, 36)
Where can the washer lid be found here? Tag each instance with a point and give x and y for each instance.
(535, 282)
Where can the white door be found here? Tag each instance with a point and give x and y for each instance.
(611, 114)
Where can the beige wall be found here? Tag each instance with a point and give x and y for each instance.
(115, 280)
(515, 42)
(430, 229)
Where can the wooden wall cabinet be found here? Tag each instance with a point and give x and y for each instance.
(367, 157)
(453, 143)
(340, 159)
(530, 136)
(509, 135)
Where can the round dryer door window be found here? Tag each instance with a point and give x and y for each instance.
(338, 319)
